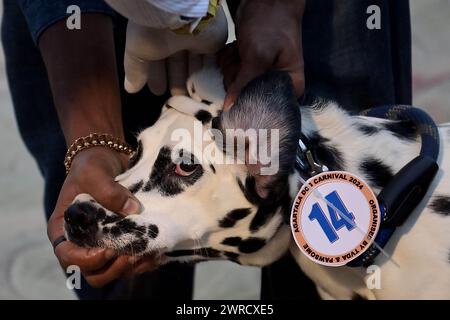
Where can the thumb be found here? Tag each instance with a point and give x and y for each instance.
(113, 196)
(246, 73)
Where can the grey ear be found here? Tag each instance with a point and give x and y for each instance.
(268, 102)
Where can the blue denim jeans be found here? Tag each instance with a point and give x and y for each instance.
(344, 61)
(40, 130)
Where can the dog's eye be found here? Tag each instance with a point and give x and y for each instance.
(185, 169)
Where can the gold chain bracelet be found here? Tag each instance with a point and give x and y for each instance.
(95, 140)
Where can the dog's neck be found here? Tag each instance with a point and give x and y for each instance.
(372, 148)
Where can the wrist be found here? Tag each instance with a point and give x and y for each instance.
(112, 161)
(257, 9)
(95, 140)
(294, 8)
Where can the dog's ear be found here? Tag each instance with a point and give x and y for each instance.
(268, 107)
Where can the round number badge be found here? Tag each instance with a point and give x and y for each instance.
(335, 218)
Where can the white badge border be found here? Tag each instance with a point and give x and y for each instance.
(369, 190)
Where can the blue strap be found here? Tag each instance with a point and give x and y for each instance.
(426, 127)
(417, 173)
(382, 238)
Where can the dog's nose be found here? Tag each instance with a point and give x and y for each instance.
(80, 214)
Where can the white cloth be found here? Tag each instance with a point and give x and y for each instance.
(161, 14)
(159, 57)
(187, 8)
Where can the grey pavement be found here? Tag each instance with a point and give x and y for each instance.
(28, 269)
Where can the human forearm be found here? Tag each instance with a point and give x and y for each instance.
(268, 37)
(82, 71)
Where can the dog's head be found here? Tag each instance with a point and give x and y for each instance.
(208, 190)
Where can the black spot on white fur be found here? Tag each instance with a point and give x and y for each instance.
(215, 123)
(262, 216)
(232, 241)
(233, 216)
(368, 130)
(135, 187)
(266, 211)
(115, 231)
(325, 153)
(203, 116)
(251, 245)
(249, 190)
(441, 205)
(101, 214)
(128, 226)
(402, 129)
(376, 171)
(136, 246)
(111, 219)
(266, 208)
(207, 102)
(153, 231)
(231, 256)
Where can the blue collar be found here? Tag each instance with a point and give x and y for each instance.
(407, 188)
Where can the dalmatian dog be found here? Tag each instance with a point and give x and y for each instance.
(201, 203)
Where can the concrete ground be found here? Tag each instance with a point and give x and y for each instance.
(28, 269)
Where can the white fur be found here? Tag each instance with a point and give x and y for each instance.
(421, 246)
(189, 220)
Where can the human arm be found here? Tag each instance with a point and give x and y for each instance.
(268, 36)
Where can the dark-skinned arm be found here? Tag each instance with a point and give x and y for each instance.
(81, 67)
(268, 37)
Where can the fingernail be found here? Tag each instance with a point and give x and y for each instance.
(131, 206)
(134, 260)
(227, 105)
(109, 254)
(129, 87)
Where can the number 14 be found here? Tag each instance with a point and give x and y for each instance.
(337, 222)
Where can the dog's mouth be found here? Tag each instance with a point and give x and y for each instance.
(88, 225)
(127, 243)
(81, 237)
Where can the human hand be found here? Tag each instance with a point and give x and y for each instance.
(93, 171)
(162, 58)
(268, 36)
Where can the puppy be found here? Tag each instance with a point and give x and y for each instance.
(201, 201)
